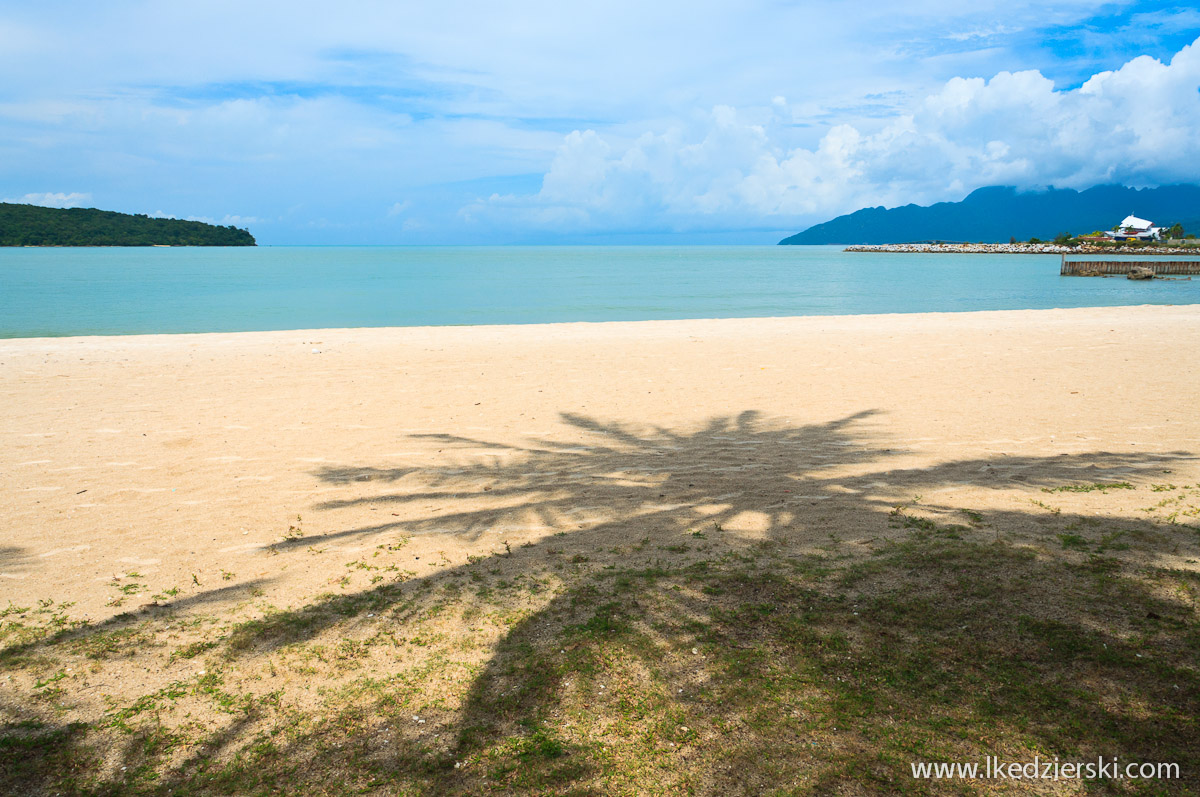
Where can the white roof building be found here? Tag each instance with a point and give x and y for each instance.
(1135, 223)
(1133, 228)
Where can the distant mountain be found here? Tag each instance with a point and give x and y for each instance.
(31, 225)
(997, 213)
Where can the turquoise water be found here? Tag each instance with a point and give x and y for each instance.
(126, 291)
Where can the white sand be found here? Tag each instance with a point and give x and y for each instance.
(183, 457)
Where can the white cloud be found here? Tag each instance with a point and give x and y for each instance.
(53, 200)
(224, 221)
(1135, 125)
(239, 221)
(534, 58)
(981, 33)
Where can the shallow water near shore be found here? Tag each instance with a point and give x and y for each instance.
(118, 291)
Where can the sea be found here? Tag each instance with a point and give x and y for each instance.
(127, 291)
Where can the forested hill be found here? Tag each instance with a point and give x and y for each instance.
(996, 214)
(31, 225)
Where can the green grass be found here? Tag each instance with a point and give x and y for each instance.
(737, 670)
(1101, 487)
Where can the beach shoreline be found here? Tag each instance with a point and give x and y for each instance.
(554, 329)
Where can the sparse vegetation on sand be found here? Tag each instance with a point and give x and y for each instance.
(648, 654)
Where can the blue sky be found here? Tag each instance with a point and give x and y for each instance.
(551, 122)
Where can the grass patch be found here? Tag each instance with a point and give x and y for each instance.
(746, 671)
(1101, 487)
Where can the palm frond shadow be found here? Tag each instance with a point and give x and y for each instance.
(746, 595)
(14, 559)
(625, 477)
(631, 486)
(654, 486)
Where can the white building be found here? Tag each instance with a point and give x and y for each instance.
(1135, 229)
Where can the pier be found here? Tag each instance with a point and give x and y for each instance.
(1089, 268)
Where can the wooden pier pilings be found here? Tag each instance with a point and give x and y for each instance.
(1088, 268)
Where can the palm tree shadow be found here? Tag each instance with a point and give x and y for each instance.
(1018, 622)
(751, 477)
(737, 482)
(766, 477)
(704, 573)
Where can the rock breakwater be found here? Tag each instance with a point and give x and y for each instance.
(1025, 249)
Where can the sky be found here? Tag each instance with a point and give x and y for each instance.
(464, 122)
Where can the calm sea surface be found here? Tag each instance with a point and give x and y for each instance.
(126, 291)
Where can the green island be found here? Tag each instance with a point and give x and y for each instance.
(31, 225)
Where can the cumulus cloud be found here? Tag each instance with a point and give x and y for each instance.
(225, 221)
(53, 200)
(1134, 125)
(239, 221)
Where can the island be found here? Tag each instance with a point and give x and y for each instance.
(32, 225)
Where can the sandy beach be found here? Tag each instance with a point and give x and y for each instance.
(230, 476)
(191, 454)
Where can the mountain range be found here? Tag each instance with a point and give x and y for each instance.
(996, 214)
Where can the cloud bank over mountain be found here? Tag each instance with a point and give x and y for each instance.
(1134, 126)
